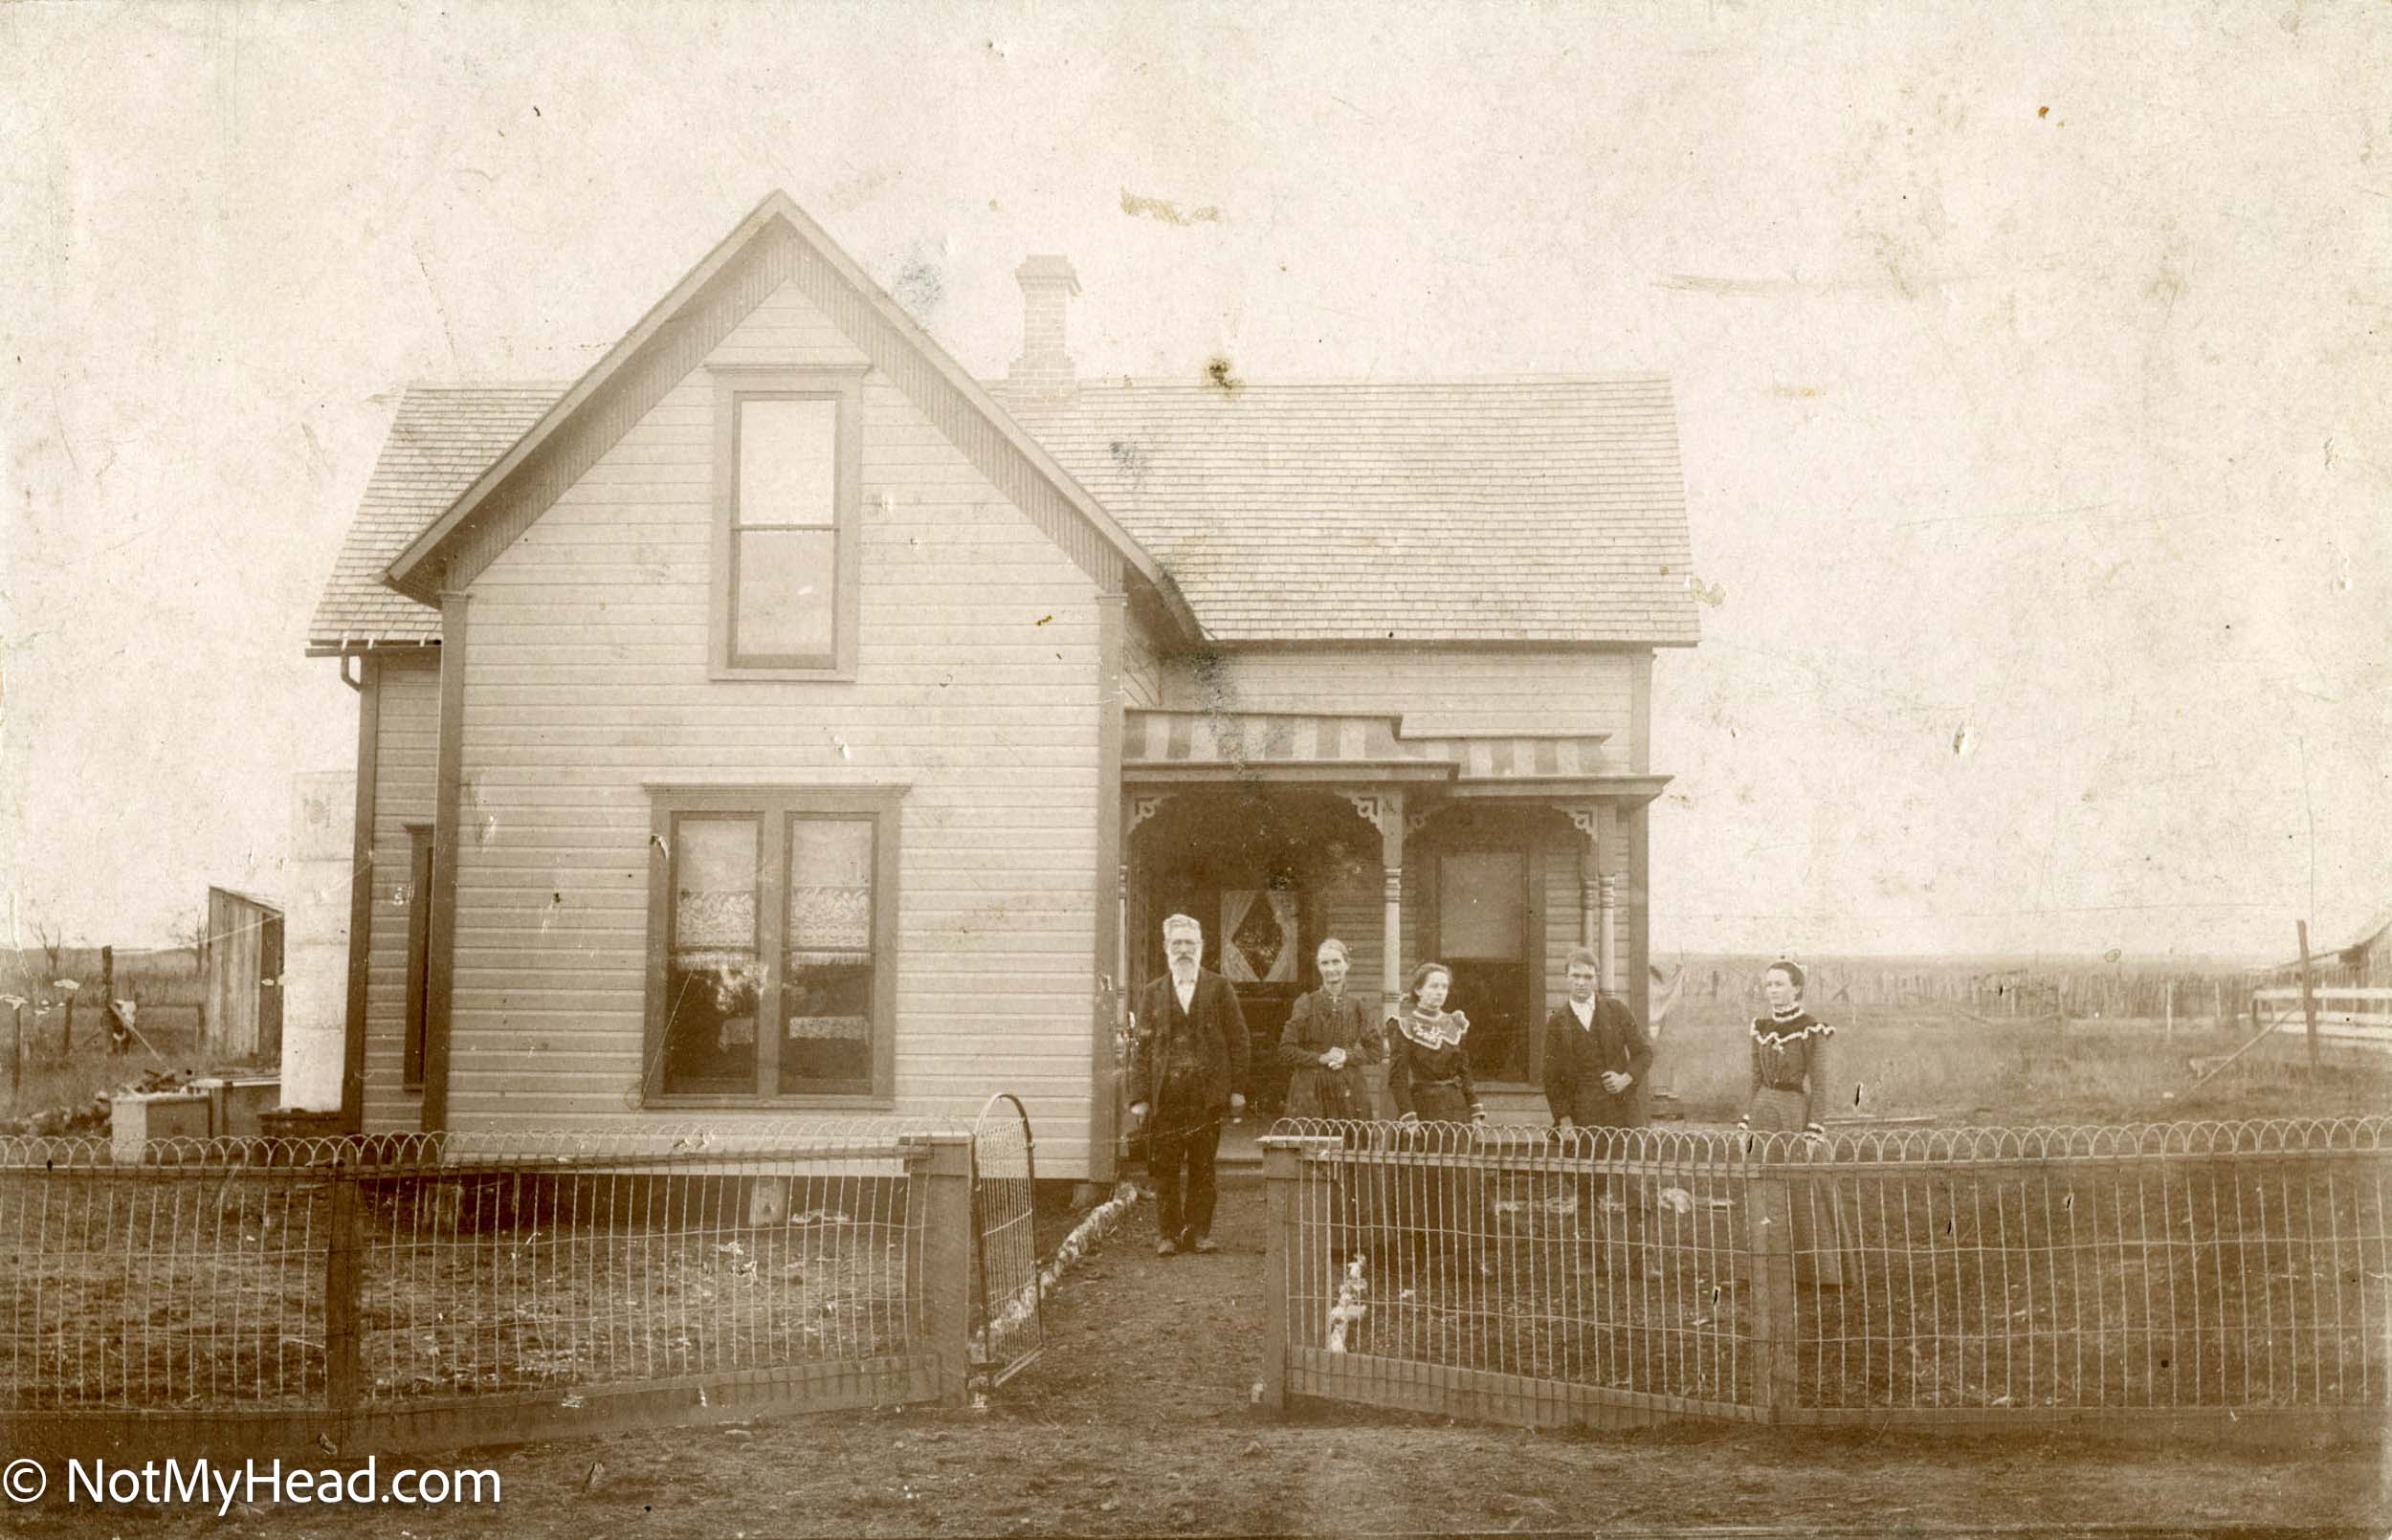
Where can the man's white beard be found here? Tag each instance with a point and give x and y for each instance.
(1183, 970)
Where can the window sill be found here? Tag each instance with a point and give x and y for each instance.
(828, 674)
(728, 1101)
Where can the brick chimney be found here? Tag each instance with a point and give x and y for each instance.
(1044, 370)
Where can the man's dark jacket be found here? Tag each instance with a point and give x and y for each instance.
(1577, 1056)
(1189, 1060)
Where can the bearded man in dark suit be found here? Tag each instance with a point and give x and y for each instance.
(1187, 1069)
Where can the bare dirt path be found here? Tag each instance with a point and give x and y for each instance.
(1139, 1421)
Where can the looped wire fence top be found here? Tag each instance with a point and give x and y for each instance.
(799, 1137)
(2189, 1139)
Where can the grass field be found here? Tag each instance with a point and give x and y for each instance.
(1933, 1061)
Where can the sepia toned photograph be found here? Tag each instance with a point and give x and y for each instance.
(1018, 769)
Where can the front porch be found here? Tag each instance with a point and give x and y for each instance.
(1493, 854)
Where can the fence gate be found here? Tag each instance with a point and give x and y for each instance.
(1008, 1329)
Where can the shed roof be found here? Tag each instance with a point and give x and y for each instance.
(1495, 509)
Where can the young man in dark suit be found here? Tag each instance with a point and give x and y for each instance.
(1187, 1068)
(1596, 1061)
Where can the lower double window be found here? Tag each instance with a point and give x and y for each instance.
(772, 929)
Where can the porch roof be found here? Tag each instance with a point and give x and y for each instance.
(1162, 747)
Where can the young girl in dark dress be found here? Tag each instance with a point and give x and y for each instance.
(1428, 1071)
(1429, 1081)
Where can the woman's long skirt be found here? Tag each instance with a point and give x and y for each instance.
(1818, 1214)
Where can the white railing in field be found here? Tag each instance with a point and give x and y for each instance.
(2346, 1017)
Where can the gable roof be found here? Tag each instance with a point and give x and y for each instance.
(1531, 510)
(520, 483)
(1507, 510)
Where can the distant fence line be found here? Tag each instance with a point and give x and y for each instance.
(425, 1289)
(2024, 991)
(2124, 1278)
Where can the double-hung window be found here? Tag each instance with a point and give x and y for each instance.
(772, 956)
(787, 471)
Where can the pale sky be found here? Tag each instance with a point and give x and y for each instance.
(2031, 379)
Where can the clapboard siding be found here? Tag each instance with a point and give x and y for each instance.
(1488, 690)
(586, 682)
(407, 743)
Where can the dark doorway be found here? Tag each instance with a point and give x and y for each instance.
(1258, 872)
(1484, 917)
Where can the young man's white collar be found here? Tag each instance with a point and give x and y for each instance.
(1585, 1013)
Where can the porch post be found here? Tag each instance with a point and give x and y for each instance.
(1384, 811)
(1134, 873)
(1121, 944)
(1597, 903)
(1610, 928)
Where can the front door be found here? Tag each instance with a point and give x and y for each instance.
(1482, 919)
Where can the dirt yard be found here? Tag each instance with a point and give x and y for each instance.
(1138, 1420)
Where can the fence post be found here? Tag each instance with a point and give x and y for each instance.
(1770, 1264)
(939, 1268)
(2309, 999)
(343, 1280)
(1283, 1168)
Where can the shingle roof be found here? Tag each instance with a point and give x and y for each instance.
(444, 436)
(1530, 510)
(1527, 510)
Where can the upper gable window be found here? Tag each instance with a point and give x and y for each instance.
(787, 465)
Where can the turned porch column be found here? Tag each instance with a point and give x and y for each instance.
(1598, 890)
(1385, 812)
(1134, 915)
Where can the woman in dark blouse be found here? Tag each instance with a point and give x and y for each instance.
(1790, 1052)
(1327, 1040)
(1789, 1090)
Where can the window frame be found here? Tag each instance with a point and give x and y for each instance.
(774, 808)
(845, 389)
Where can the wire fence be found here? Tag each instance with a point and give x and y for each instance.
(1980, 1274)
(344, 1278)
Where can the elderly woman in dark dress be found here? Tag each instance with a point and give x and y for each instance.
(1327, 1040)
(1791, 1051)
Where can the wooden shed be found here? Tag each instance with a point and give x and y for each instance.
(242, 960)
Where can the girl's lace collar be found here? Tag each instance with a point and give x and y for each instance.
(1441, 1030)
